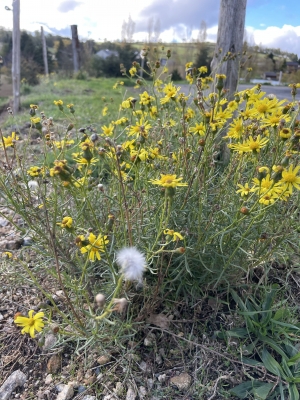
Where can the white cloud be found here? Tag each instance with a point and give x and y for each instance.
(286, 38)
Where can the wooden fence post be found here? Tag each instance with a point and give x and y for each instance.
(75, 47)
(16, 56)
(230, 39)
(46, 69)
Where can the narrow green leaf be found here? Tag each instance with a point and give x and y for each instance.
(271, 364)
(243, 390)
(293, 392)
(294, 360)
(263, 391)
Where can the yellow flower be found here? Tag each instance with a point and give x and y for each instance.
(236, 129)
(104, 111)
(63, 143)
(36, 171)
(176, 235)
(121, 121)
(250, 145)
(202, 70)
(141, 128)
(188, 65)
(34, 106)
(107, 130)
(84, 161)
(146, 98)
(66, 223)
(132, 71)
(58, 102)
(35, 120)
(95, 246)
(6, 254)
(244, 190)
(168, 181)
(170, 93)
(9, 141)
(290, 179)
(31, 324)
(198, 128)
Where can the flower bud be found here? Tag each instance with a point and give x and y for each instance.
(100, 300)
(244, 210)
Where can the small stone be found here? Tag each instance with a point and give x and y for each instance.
(142, 392)
(130, 394)
(66, 393)
(54, 363)
(162, 378)
(49, 379)
(118, 389)
(182, 381)
(102, 360)
(81, 389)
(17, 378)
(88, 397)
(89, 377)
(150, 340)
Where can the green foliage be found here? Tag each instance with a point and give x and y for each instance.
(110, 66)
(205, 189)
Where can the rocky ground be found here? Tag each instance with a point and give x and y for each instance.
(167, 357)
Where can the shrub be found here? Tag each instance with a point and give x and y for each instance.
(201, 191)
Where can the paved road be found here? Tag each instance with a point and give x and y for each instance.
(281, 92)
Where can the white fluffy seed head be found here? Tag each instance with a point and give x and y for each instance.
(132, 263)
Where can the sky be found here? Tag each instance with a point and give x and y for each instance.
(269, 23)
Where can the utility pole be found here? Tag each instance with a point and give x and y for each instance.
(229, 42)
(16, 56)
(44, 52)
(75, 47)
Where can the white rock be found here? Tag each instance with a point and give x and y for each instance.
(130, 394)
(49, 379)
(66, 393)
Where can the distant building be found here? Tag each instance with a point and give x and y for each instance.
(292, 66)
(107, 53)
(271, 75)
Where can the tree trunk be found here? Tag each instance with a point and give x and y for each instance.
(16, 56)
(230, 42)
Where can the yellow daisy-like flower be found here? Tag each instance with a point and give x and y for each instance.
(36, 171)
(6, 254)
(66, 223)
(95, 246)
(9, 141)
(170, 93)
(107, 130)
(58, 102)
(176, 235)
(132, 71)
(244, 190)
(63, 143)
(168, 181)
(140, 128)
(31, 324)
(290, 179)
(250, 145)
(104, 111)
(202, 70)
(198, 128)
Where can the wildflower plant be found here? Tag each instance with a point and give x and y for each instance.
(147, 195)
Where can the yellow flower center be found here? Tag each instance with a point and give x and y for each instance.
(254, 145)
(262, 108)
(289, 177)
